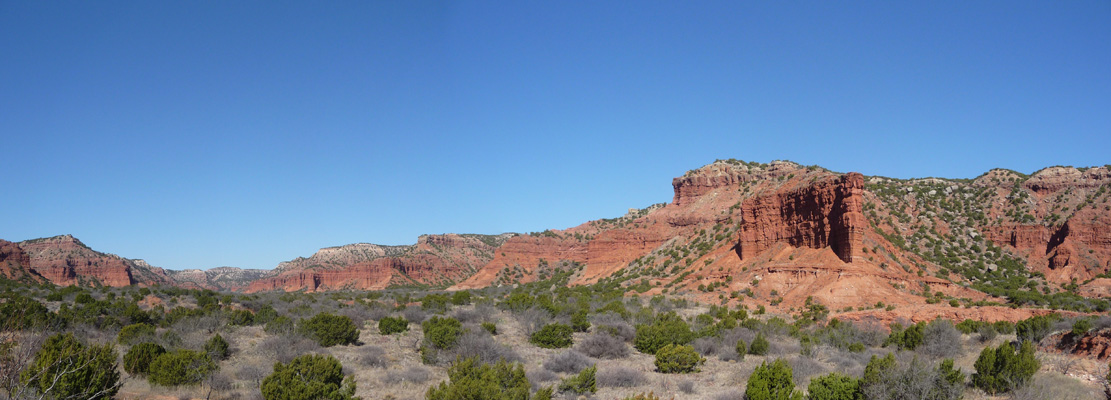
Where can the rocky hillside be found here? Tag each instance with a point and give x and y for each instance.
(780, 234)
(436, 260)
(64, 260)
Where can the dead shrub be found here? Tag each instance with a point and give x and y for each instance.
(413, 374)
(479, 343)
(373, 357)
(940, 339)
(615, 325)
(414, 314)
(730, 394)
(686, 386)
(569, 361)
(805, 367)
(603, 345)
(623, 377)
(286, 348)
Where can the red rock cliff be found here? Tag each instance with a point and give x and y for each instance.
(14, 262)
(826, 213)
(64, 260)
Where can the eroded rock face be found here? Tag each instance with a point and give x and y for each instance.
(15, 264)
(64, 260)
(824, 214)
(435, 259)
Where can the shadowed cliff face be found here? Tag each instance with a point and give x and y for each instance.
(828, 213)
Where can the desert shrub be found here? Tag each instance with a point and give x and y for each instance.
(490, 327)
(65, 368)
(759, 346)
(540, 375)
(135, 333)
(280, 325)
(1057, 387)
(906, 339)
(413, 374)
(579, 321)
(435, 303)
(461, 297)
(180, 367)
(834, 386)
(391, 325)
(414, 315)
(311, 376)
(286, 348)
(730, 394)
(686, 386)
(676, 359)
(987, 333)
(1081, 327)
(373, 357)
(329, 330)
(667, 329)
(741, 349)
(466, 316)
(138, 358)
(802, 368)
(621, 377)
(443, 333)
(569, 361)
(940, 340)
(1034, 328)
(582, 383)
(217, 348)
(552, 336)
(1001, 369)
(603, 345)
(482, 346)
(471, 379)
(239, 317)
(771, 382)
(885, 378)
(265, 314)
(613, 324)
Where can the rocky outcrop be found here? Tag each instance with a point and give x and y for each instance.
(221, 279)
(64, 260)
(1094, 344)
(727, 173)
(433, 260)
(827, 213)
(1054, 179)
(15, 264)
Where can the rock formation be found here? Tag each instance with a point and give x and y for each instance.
(65, 260)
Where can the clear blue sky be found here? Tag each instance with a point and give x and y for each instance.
(201, 134)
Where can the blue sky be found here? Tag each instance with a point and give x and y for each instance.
(203, 134)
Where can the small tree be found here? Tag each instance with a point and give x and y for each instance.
(668, 329)
(582, 383)
(181, 367)
(834, 386)
(461, 297)
(742, 349)
(135, 333)
(1001, 369)
(676, 359)
(771, 382)
(311, 376)
(391, 325)
(329, 330)
(138, 358)
(759, 346)
(471, 379)
(442, 332)
(217, 348)
(66, 368)
(552, 336)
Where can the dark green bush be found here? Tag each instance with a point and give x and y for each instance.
(834, 386)
(391, 325)
(667, 329)
(1001, 369)
(771, 382)
(217, 348)
(490, 327)
(470, 379)
(1034, 328)
(461, 297)
(265, 314)
(311, 376)
(579, 321)
(1081, 327)
(742, 349)
(279, 325)
(138, 358)
(180, 367)
(759, 346)
(906, 339)
(552, 336)
(678, 359)
(330, 330)
(582, 383)
(135, 333)
(442, 332)
(65, 368)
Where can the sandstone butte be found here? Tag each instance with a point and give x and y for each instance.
(777, 233)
